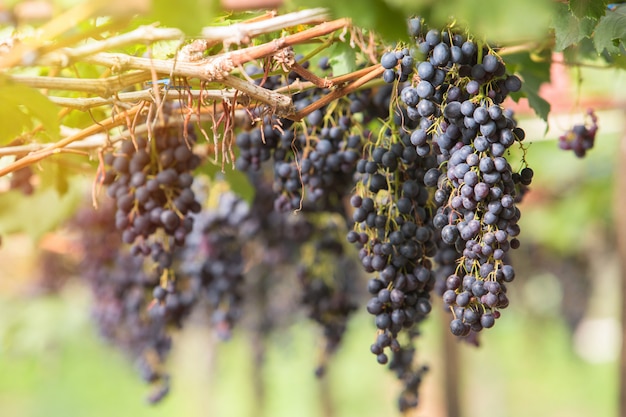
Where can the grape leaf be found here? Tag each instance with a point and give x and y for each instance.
(25, 107)
(534, 71)
(593, 9)
(568, 29)
(237, 180)
(40, 212)
(377, 15)
(18, 120)
(611, 31)
(537, 103)
(188, 15)
(342, 59)
(56, 172)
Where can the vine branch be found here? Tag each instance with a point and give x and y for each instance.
(105, 125)
(147, 95)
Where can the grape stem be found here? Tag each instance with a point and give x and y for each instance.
(239, 33)
(371, 73)
(85, 104)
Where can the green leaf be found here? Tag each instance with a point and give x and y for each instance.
(534, 70)
(499, 21)
(19, 121)
(188, 15)
(618, 61)
(538, 104)
(611, 30)
(238, 181)
(55, 173)
(377, 15)
(342, 59)
(25, 107)
(568, 29)
(593, 9)
(40, 212)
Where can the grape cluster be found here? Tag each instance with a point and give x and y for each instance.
(328, 279)
(456, 96)
(580, 137)
(393, 237)
(150, 180)
(122, 289)
(213, 260)
(313, 161)
(436, 185)
(417, 167)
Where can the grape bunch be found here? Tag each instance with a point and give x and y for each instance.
(328, 279)
(123, 307)
(435, 185)
(580, 137)
(393, 237)
(455, 94)
(313, 161)
(150, 180)
(213, 262)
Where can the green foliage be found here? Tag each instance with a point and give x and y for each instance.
(590, 23)
(593, 9)
(238, 181)
(568, 29)
(343, 59)
(22, 108)
(376, 15)
(500, 21)
(188, 15)
(535, 70)
(610, 34)
(42, 211)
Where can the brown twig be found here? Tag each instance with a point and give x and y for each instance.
(104, 87)
(374, 71)
(242, 56)
(243, 32)
(309, 76)
(87, 103)
(55, 148)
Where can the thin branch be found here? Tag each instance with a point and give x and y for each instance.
(104, 87)
(98, 140)
(241, 56)
(309, 76)
(300, 86)
(209, 70)
(56, 147)
(374, 71)
(146, 95)
(239, 33)
(141, 35)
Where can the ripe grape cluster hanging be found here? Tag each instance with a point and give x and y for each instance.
(407, 176)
